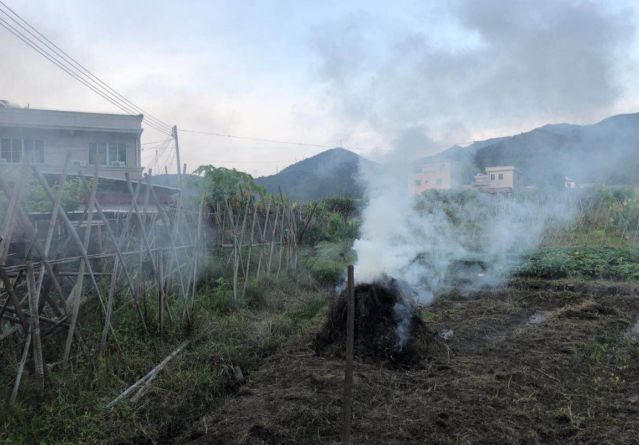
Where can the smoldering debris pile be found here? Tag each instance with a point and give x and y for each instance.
(388, 328)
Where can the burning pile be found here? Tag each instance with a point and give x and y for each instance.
(388, 327)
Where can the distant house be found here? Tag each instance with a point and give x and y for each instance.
(569, 183)
(502, 179)
(443, 174)
(46, 137)
(112, 141)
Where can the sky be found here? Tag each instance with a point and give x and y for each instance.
(370, 76)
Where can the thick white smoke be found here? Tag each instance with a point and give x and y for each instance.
(427, 241)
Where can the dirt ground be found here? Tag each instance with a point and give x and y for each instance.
(535, 362)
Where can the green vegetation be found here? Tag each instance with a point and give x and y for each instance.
(227, 336)
(586, 262)
(332, 225)
(35, 198)
(220, 183)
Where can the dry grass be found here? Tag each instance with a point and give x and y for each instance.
(567, 379)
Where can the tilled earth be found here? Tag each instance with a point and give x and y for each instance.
(536, 362)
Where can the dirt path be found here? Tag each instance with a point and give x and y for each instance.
(533, 363)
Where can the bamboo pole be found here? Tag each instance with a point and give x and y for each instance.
(270, 257)
(248, 259)
(149, 376)
(118, 253)
(51, 231)
(235, 254)
(15, 196)
(348, 373)
(105, 330)
(74, 236)
(263, 239)
(77, 289)
(35, 328)
(23, 361)
(14, 298)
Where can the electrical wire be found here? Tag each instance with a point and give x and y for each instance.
(74, 68)
(255, 139)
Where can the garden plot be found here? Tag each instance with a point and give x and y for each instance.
(569, 377)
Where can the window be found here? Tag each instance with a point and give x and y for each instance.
(501, 176)
(418, 182)
(439, 181)
(492, 176)
(98, 153)
(117, 154)
(34, 151)
(12, 150)
(107, 154)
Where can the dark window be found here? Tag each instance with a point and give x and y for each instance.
(492, 176)
(34, 151)
(418, 182)
(117, 155)
(501, 176)
(112, 154)
(12, 150)
(98, 153)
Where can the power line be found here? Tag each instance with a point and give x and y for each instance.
(256, 139)
(70, 61)
(72, 67)
(152, 142)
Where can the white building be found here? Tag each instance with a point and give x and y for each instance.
(436, 175)
(46, 137)
(501, 179)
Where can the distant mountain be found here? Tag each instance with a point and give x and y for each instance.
(331, 173)
(606, 152)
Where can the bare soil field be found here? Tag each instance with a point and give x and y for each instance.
(534, 362)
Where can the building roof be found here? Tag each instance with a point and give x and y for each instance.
(69, 120)
(501, 168)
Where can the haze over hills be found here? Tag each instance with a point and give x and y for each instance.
(331, 173)
(606, 152)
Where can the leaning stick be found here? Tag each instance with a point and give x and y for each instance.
(118, 252)
(105, 330)
(148, 377)
(35, 327)
(74, 237)
(15, 196)
(13, 297)
(23, 361)
(51, 230)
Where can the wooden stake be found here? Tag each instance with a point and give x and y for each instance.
(348, 374)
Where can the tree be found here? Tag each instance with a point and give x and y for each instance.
(223, 183)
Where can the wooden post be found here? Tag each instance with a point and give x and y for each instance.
(348, 374)
(263, 240)
(160, 276)
(270, 255)
(248, 259)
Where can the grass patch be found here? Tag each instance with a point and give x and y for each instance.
(231, 336)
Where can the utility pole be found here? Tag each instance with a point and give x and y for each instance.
(177, 155)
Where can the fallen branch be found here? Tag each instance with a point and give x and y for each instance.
(147, 378)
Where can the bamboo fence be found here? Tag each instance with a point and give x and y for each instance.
(116, 260)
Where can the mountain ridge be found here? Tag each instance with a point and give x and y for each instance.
(328, 174)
